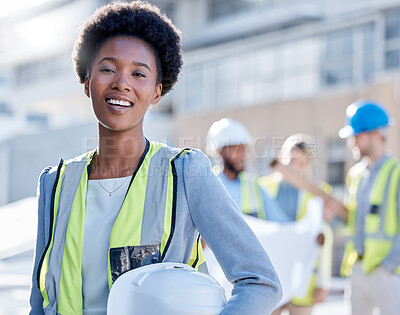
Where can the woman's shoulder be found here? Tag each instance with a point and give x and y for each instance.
(189, 155)
(48, 176)
(187, 160)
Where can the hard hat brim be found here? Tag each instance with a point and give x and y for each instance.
(346, 132)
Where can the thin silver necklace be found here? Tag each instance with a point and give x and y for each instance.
(111, 192)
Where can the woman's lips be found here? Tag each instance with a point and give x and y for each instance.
(119, 102)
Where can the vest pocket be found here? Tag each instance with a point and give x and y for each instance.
(123, 259)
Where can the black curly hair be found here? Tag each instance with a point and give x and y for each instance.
(136, 19)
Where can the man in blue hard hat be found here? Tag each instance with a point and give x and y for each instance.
(372, 254)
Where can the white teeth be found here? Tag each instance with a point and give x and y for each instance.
(119, 102)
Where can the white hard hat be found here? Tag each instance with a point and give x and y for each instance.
(165, 289)
(302, 141)
(226, 132)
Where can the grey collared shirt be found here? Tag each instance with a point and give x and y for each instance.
(392, 260)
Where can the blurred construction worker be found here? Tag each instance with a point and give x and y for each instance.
(372, 255)
(298, 152)
(229, 139)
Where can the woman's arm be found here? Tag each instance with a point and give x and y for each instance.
(257, 289)
(45, 184)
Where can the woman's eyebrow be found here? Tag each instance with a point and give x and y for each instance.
(107, 59)
(136, 63)
(141, 64)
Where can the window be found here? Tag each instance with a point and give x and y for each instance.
(349, 56)
(221, 8)
(337, 59)
(37, 119)
(42, 69)
(227, 72)
(167, 8)
(392, 39)
(218, 9)
(300, 66)
(336, 163)
(5, 110)
(4, 81)
(253, 77)
(194, 87)
(368, 51)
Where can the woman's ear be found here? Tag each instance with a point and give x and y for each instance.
(86, 87)
(157, 94)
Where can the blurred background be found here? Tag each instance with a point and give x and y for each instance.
(278, 66)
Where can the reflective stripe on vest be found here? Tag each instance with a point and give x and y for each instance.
(304, 198)
(381, 223)
(251, 199)
(146, 217)
(271, 183)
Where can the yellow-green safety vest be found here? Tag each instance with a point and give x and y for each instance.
(145, 225)
(271, 184)
(381, 223)
(251, 197)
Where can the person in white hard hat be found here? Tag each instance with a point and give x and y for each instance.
(229, 139)
(132, 202)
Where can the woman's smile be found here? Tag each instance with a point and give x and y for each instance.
(118, 104)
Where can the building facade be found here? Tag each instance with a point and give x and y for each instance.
(279, 66)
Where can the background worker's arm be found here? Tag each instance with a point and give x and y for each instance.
(257, 288)
(331, 205)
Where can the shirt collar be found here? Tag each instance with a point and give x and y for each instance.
(223, 176)
(378, 163)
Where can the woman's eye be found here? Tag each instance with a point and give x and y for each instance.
(106, 70)
(138, 74)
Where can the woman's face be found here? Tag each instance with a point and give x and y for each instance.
(122, 83)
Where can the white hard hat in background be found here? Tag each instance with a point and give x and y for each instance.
(226, 132)
(300, 140)
(165, 289)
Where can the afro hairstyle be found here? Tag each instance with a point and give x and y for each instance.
(135, 19)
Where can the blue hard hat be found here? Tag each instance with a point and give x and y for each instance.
(364, 116)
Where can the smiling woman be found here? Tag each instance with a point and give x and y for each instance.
(131, 201)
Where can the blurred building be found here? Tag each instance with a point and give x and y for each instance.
(279, 66)
(286, 66)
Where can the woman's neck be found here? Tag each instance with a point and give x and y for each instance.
(118, 154)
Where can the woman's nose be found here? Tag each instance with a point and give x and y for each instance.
(122, 82)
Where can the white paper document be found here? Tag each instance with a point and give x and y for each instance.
(291, 246)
